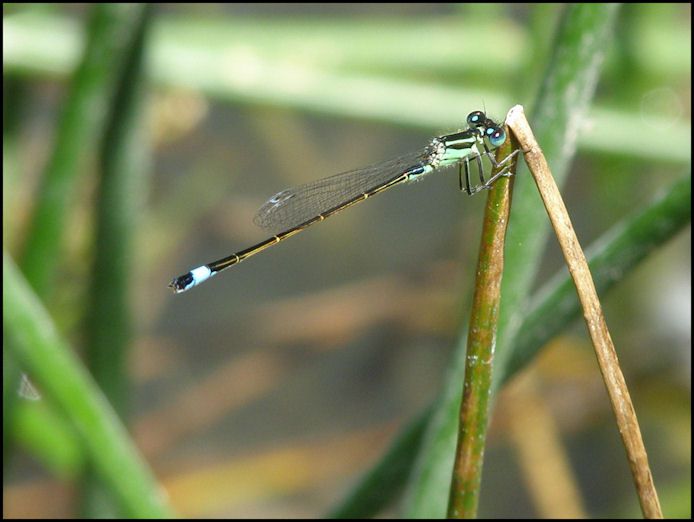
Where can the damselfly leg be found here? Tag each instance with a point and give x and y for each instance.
(485, 184)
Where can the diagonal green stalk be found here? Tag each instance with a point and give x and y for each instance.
(384, 483)
(610, 258)
(563, 101)
(52, 364)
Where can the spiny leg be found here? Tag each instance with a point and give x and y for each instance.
(492, 158)
(505, 172)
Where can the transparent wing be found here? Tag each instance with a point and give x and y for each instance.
(294, 206)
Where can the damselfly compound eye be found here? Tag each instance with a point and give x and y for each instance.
(475, 119)
(497, 137)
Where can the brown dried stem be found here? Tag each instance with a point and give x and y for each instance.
(592, 312)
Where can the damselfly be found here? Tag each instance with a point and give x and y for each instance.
(293, 210)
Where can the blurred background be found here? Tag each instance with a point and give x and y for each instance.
(270, 390)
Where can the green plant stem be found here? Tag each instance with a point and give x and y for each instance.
(121, 185)
(474, 407)
(382, 484)
(562, 104)
(64, 381)
(80, 127)
(122, 173)
(610, 258)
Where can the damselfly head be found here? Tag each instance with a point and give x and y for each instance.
(487, 128)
